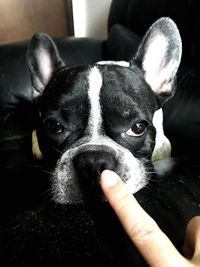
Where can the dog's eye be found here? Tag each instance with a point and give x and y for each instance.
(137, 129)
(53, 126)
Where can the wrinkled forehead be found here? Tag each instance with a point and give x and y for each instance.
(103, 84)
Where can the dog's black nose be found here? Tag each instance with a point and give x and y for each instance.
(90, 164)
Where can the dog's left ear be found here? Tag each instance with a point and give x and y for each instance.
(159, 56)
(42, 60)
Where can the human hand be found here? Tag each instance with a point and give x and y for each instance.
(152, 243)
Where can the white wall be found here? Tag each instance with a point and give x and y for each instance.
(90, 18)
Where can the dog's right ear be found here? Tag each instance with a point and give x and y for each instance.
(42, 60)
(159, 57)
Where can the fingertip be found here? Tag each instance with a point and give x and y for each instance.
(109, 179)
(195, 221)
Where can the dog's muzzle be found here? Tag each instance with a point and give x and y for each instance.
(76, 178)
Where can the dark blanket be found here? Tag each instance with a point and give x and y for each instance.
(37, 232)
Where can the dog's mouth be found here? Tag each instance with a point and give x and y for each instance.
(91, 191)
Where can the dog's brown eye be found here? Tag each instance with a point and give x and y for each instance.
(137, 129)
(53, 126)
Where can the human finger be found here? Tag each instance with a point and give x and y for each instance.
(152, 243)
(192, 240)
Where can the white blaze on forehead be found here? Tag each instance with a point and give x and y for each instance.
(95, 119)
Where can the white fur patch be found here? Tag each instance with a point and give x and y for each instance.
(111, 62)
(65, 182)
(163, 146)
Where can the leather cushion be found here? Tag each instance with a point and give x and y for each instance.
(138, 15)
(15, 87)
(121, 44)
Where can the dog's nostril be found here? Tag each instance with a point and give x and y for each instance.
(92, 163)
(101, 167)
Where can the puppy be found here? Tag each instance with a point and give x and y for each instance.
(105, 115)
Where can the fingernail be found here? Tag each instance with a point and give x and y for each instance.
(110, 178)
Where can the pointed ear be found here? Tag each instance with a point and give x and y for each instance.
(42, 60)
(159, 56)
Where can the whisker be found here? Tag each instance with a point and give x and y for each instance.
(150, 172)
(48, 193)
(145, 160)
(48, 172)
(26, 219)
(57, 150)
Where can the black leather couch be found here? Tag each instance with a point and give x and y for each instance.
(36, 232)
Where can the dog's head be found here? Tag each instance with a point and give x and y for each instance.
(100, 116)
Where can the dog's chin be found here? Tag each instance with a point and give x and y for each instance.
(91, 189)
(94, 197)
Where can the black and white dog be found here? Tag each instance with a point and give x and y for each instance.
(103, 116)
